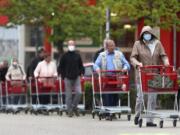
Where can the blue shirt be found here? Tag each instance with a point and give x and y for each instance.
(110, 64)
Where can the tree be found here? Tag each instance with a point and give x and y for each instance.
(75, 19)
(163, 13)
(68, 18)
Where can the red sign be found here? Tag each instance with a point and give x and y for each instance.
(47, 44)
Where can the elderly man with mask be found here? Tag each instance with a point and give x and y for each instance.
(111, 59)
(70, 69)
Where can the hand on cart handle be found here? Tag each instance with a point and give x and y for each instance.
(139, 65)
(124, 70)
(98, 71)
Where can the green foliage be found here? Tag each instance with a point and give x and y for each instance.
(166, 101)
(88, 95)
(68, 18)
(161, 13)
(75, 19)
(179, 82)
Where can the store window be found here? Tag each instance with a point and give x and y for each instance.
(34, 36)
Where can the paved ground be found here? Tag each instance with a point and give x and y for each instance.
(22, 124)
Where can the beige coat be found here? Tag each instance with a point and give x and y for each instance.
(142, 54)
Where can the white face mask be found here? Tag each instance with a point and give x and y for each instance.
(71, 48)
(14, 63)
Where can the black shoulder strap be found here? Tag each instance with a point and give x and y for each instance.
(21, 69)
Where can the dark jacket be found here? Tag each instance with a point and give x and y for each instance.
(32, 66)
(97, 54)
(70, 65)
(3, 72)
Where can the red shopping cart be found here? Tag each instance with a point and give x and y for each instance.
(16, 96)
(45, 86)
(158, 80)
(110, 82)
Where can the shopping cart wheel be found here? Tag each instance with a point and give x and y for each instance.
(35, 112)
(111, 117)
(174, 123)
(60, 113)
(140, 122)
(93, 115)
(26, 111)
(100, 117)
(119, 115)
(83, 113)
(161, 124)
(129, 117)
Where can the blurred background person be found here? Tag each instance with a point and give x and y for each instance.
(46, 68)
(16, 76)
(3, 70)
(33, 64)
(100, 50)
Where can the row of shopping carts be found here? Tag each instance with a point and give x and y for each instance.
(110, 82)
(153, 80)
(17, 96)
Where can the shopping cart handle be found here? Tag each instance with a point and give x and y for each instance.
(156, 66)
(53, 77)
(110, 71)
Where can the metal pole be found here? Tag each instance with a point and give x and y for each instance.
(174, 45)
(107, 23)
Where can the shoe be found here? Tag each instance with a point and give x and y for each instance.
(114, 117)
(150, 124)
(70, 114)
(136, 119)
(76, 112)
(111, 117)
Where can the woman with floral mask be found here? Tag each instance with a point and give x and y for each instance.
(15, 71)
(148, 50)
(15, 74)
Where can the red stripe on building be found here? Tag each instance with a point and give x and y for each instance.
(140, 26)
(178, 49)
(4, 20)
(47, 44)
(166, 37)
(92, 2)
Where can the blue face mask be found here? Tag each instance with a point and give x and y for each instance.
(147, 37)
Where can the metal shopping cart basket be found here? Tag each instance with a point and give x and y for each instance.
(16, 96)
(45, 86)
(158, 80)
(110, 82)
